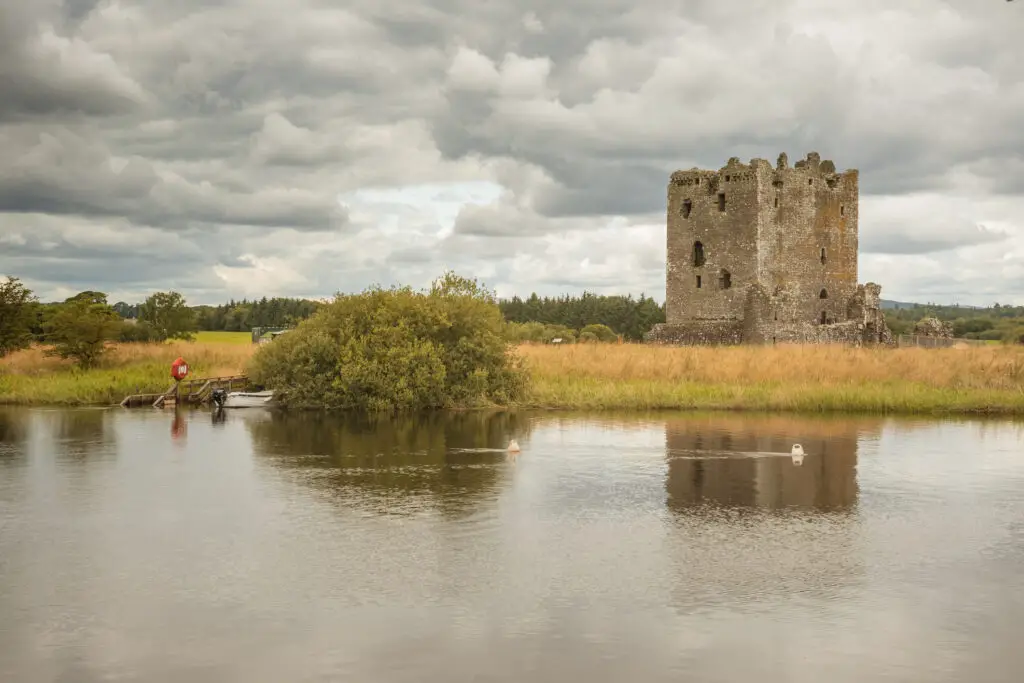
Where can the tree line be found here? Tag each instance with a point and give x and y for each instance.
(80, 327)
(998, 322)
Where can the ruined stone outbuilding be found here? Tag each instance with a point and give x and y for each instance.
(933, 327)
(763, 255)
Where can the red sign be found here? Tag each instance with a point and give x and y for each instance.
(179, 369)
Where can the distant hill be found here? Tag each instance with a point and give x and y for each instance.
(886, 303)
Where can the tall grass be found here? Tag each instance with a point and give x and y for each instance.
(785, 377)
(31, 377)
(615, 376)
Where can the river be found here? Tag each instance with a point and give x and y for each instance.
(255, 547)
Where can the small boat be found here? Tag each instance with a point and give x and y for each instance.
(242, 399)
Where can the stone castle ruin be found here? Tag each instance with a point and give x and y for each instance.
(762, 255)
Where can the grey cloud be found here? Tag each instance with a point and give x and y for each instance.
(896, 243)
(61, 172)
(43, 72)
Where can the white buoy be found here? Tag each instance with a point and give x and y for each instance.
(797, 452)
(513, 446)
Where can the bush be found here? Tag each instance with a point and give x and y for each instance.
(539, 333)
(598, 333)
(396, 349)
(137, 333)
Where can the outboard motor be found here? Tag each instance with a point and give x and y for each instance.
(219, 396)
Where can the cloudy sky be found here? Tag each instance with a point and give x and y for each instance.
(301, 147)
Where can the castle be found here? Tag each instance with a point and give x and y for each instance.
(762, 255)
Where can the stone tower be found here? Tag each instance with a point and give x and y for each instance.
(760, 254)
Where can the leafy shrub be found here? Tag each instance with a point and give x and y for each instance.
(598, 333)
(137, 333)
(539, 333)
(396, 349)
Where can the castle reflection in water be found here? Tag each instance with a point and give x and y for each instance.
(723, 460)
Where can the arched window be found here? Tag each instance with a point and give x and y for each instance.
(823, 255)
(725, 279)
(698, 254)
(687, 207)
(823, 294)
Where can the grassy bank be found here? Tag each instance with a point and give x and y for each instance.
(786, 378)
(30, 377)
(620, 377)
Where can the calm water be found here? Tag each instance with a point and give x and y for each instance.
(144, 546)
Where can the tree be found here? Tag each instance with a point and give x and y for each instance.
(396, 349)
(81, 328)
(17, 314)
(169, 316)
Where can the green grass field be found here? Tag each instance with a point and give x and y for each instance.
(224, 337)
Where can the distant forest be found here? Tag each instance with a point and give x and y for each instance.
(628, 316)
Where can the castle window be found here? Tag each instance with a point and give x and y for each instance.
(698, 282)
(810, 181)
(687, 206)
(776, 202)
(727, 178)
(823, 254)
(725, 279)
(823, 294)
(721, 201)
(841, 209)
(823, 318)
(776, 315)
(698, 254)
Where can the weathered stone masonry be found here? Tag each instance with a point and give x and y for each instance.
(766, 255)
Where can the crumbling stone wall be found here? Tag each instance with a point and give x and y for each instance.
(771, 252)
(933, 327)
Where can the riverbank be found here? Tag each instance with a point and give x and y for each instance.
(31, 378)
(616, 377)
(778, 378)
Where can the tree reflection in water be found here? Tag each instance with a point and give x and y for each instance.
(447, 462)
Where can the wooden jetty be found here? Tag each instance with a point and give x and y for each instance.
(188, 391)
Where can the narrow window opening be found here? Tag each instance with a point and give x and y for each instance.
(810, 181)
(773, 341)
(727, 178)
(842, 210)
(776, 202)
(776, 315)
(823, 254)
(823, 317)
(823, 294)
(698, 254)
(721, 201)
(698, 282)
(687, 207)
(725, 279)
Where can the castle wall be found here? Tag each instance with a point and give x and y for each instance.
(728, 238)
(697, 333)
(810, 208)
